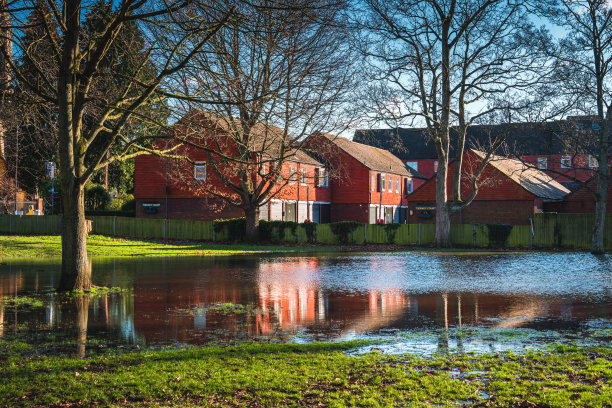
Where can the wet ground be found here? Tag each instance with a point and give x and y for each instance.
(414, 301)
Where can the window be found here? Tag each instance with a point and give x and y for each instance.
(413, 165)
(373, 182)
(595, 126)
(542, 163)
(390, 184)
(263, 169)
(292, 175)
(382, 182)
(304, 178)
(435, 166)
(323, 178)
(566, 162)
(199, 171)
(410, 186)
(593, 162)
(397, 185)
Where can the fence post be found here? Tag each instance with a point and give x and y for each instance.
(10, 224)
(419, 234)
(365, 233)
(532, 233)
(164, 231)
(114, 225)
(474, 235)
(213, 231)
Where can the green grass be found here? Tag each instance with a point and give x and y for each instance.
(319, 374)
(26, 246)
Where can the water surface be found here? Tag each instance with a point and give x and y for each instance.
(418, 302)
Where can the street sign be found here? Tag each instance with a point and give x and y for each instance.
(51, 167)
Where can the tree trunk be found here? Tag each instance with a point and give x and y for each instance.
(76, 273)
(252, 223)
(442, 208)
(601, 202)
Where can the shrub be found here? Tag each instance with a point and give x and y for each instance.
(342, 230)
(129, 203)
(235, 227)
(96, 197)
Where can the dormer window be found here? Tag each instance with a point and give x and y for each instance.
(566, 162)
(593, 162)
(542, 163)
(435, 166)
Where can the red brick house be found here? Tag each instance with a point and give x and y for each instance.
(508, 193)
(581, 200)
(544, 145)
(368, 185)
(178, 189)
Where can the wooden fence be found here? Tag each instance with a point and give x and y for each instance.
(549, 230)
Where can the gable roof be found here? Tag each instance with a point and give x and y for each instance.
(374, 158)
(533, 180)
(529, 138)
(264, 139)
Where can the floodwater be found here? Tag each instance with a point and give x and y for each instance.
(414, 302)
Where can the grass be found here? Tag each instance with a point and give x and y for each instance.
(27, 246)
(319, 374)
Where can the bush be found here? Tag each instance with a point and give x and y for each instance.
(129, 204)
(235, 227)
(342, 230)
(273, 231)
(96, 198)
(121, 201)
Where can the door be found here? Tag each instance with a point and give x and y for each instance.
(388, 215)
(373, 211)
(316, 213)
(325, 213)
(263, 212)
(290, 211)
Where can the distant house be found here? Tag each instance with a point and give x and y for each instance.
(369, 185)
(508, 193)
(542, 144)
(177, 189)
(581, 200)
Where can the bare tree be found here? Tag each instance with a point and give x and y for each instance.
(582, 84)
(90, 121)
(447, 64)
(278, 72)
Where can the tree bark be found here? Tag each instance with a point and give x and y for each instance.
(442, 209)
(252, 223)
(601, 202)
(76, 274)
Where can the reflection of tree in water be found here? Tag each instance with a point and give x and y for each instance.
(81, 303)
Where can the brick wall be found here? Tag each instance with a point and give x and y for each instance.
(349, 212)
(515, 212)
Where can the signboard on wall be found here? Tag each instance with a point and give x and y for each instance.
(151, 207)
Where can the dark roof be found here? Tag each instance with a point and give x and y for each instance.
(533, 180)
(374, 158)
(524, 138)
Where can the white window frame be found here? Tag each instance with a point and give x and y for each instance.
(593, 162)
(390, 184)
(196, 167)
(565, 166)
(373, 182)
(397, 185)
(304, 175)
(383, 182)
(542, 163)
(410, 186)
(292, 174)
